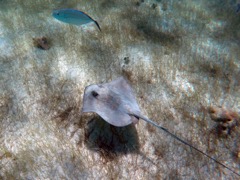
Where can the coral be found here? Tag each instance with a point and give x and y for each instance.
(227, 119)
(236, 155)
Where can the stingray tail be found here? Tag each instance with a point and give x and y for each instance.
(97, 25)
(184, 142)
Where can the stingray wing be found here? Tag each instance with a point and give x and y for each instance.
(121, 86)
(116, 118)
(106, 104)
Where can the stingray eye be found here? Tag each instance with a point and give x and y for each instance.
(94, 93)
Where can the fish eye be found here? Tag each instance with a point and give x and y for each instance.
(94, 93)
(58, 14)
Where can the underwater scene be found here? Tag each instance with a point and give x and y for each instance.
(120, 89)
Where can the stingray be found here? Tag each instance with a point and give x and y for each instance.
(115, 103)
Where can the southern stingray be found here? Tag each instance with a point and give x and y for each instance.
(116, 104)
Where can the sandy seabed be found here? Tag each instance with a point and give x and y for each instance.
(180, 57)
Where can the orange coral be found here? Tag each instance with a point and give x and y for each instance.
(226, 119)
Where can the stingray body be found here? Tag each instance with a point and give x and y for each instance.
(73, 16)
(113, 101)
(116, 104)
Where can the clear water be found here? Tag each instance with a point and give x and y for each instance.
(179, 56)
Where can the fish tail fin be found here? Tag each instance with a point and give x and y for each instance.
(97, 25)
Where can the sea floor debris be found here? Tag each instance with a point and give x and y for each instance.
(41, 43)
(227, 119)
